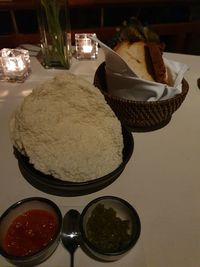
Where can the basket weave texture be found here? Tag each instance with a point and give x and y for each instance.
(140, 116)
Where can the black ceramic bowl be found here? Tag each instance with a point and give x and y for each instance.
(24, 211)
(51, 185)
(103, 227)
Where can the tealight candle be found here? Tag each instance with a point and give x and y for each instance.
(86, 48)
(15, 64)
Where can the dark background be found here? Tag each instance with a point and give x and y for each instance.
(87, 17)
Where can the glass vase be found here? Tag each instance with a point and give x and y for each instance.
(55, 31)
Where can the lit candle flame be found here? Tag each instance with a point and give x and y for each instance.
(86, 45)
(87, 48)
(14, 64)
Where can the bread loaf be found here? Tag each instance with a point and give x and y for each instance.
(144, 58)
(137, 56)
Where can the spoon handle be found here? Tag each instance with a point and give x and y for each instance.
(72, 260)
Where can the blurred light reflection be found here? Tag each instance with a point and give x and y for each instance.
(26, 92)
(4, 94)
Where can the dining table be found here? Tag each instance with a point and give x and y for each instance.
(161, 180)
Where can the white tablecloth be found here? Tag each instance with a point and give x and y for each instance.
(162, 179)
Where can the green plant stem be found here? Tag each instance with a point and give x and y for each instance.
(52, 10)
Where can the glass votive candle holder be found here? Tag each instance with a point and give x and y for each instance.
(15, 64)
(85, 47)
(26, 56)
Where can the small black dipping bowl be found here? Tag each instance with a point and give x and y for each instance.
(20, 208)
(124, 211)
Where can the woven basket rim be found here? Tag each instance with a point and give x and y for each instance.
(140, 116)
(185, 88)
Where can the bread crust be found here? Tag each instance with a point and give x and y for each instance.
(159, 69)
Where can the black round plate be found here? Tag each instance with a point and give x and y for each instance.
(51, 185)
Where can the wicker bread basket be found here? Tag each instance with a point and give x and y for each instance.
(140, 116)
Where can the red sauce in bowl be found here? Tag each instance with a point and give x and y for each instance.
(30, 232)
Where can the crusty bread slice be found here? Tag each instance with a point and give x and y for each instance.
(145, 59)
(137, 56)
(159, 69)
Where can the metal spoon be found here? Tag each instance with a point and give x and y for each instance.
(70, 232)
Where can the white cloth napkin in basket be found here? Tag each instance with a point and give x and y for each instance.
(123, 82)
